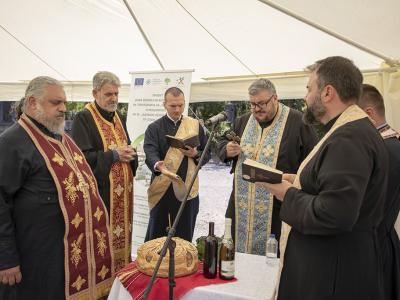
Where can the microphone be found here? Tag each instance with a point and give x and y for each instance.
(222, 116)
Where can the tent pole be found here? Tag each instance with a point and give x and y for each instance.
(390, 61)
(143, 34)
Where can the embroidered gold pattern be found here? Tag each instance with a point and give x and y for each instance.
(78, 283)
(98, 214)
(101, 242)
(117, 231)
(76, 250)
(261, 207)
(78, 157)
(103, 272)
(58, 159)
(243, 205)
(269, 150)
(112, 146)
(69, 184)
(77, 220)
(248, 149)
(119, 190)
(83, 187)
(91, 183)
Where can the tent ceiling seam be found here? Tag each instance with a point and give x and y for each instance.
(230, 52)
(31, 51)
(389, 60)
(143, 34)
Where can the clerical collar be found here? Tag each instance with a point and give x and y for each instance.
(329, 125)
(382, 126)
(45, 130)
(109, 116)
(175, 122)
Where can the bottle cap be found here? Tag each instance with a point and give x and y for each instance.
(272, 236)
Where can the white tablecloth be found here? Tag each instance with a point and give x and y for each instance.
(256, 280)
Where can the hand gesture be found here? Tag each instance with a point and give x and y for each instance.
(126, 153)
(189, 151)
(10, 276)
(232, 149)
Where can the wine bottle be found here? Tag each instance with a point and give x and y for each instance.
(227, 254)
(210, 253)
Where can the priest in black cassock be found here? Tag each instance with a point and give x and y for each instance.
(336, 201)
(272, 134)
(159, 156)
(47, 196)
(372, 103)
(100, 131)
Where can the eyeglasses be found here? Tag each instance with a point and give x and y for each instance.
(261, 104)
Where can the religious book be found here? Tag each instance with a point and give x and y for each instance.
(191, 141)
(254, 171)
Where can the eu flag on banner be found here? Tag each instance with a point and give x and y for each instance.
(139, 81)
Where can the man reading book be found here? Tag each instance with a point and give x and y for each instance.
(163, 203)
(274, 135)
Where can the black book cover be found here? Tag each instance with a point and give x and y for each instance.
(254, 171)
(191, 141)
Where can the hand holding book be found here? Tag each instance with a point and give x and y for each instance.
(254, 171)
(183, 143)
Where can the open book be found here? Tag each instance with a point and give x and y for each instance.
(191, 141)
(254, 171)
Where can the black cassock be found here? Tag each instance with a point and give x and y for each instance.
(332, 250)
(31, 221)
(156, 147)
(87, 137)
(298, 140)
(389, 240)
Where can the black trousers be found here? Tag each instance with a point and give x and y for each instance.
(169, 205)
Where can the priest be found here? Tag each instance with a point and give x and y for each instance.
(54, 234)
(336, 201)
(100, 132)
(163, 203)
(372, 103)
(272, 134)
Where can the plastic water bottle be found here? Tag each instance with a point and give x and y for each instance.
(272, 247)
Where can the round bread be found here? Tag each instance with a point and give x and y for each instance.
(186, 261)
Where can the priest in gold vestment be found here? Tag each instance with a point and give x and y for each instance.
(100, 132)
(54, 228)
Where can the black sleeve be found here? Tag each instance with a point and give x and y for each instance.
(340, 181)
(83, 133)
(221, 145)
(11, 162)
(151, 147)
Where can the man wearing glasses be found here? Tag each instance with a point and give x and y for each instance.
(272, 134)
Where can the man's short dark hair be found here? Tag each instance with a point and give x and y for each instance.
(370, 97)
(342, 74)
(174, 91)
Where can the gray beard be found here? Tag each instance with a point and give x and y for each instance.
(54, 126)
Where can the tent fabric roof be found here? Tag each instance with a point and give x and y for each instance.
(72, 39)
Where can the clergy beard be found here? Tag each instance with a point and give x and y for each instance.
(314, 112)
(112, 107)
(55, 125)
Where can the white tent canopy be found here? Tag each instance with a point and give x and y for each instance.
(72, 39)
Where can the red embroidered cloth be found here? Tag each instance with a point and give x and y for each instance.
(135, 283)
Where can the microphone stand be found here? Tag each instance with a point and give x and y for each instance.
(169, 243)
